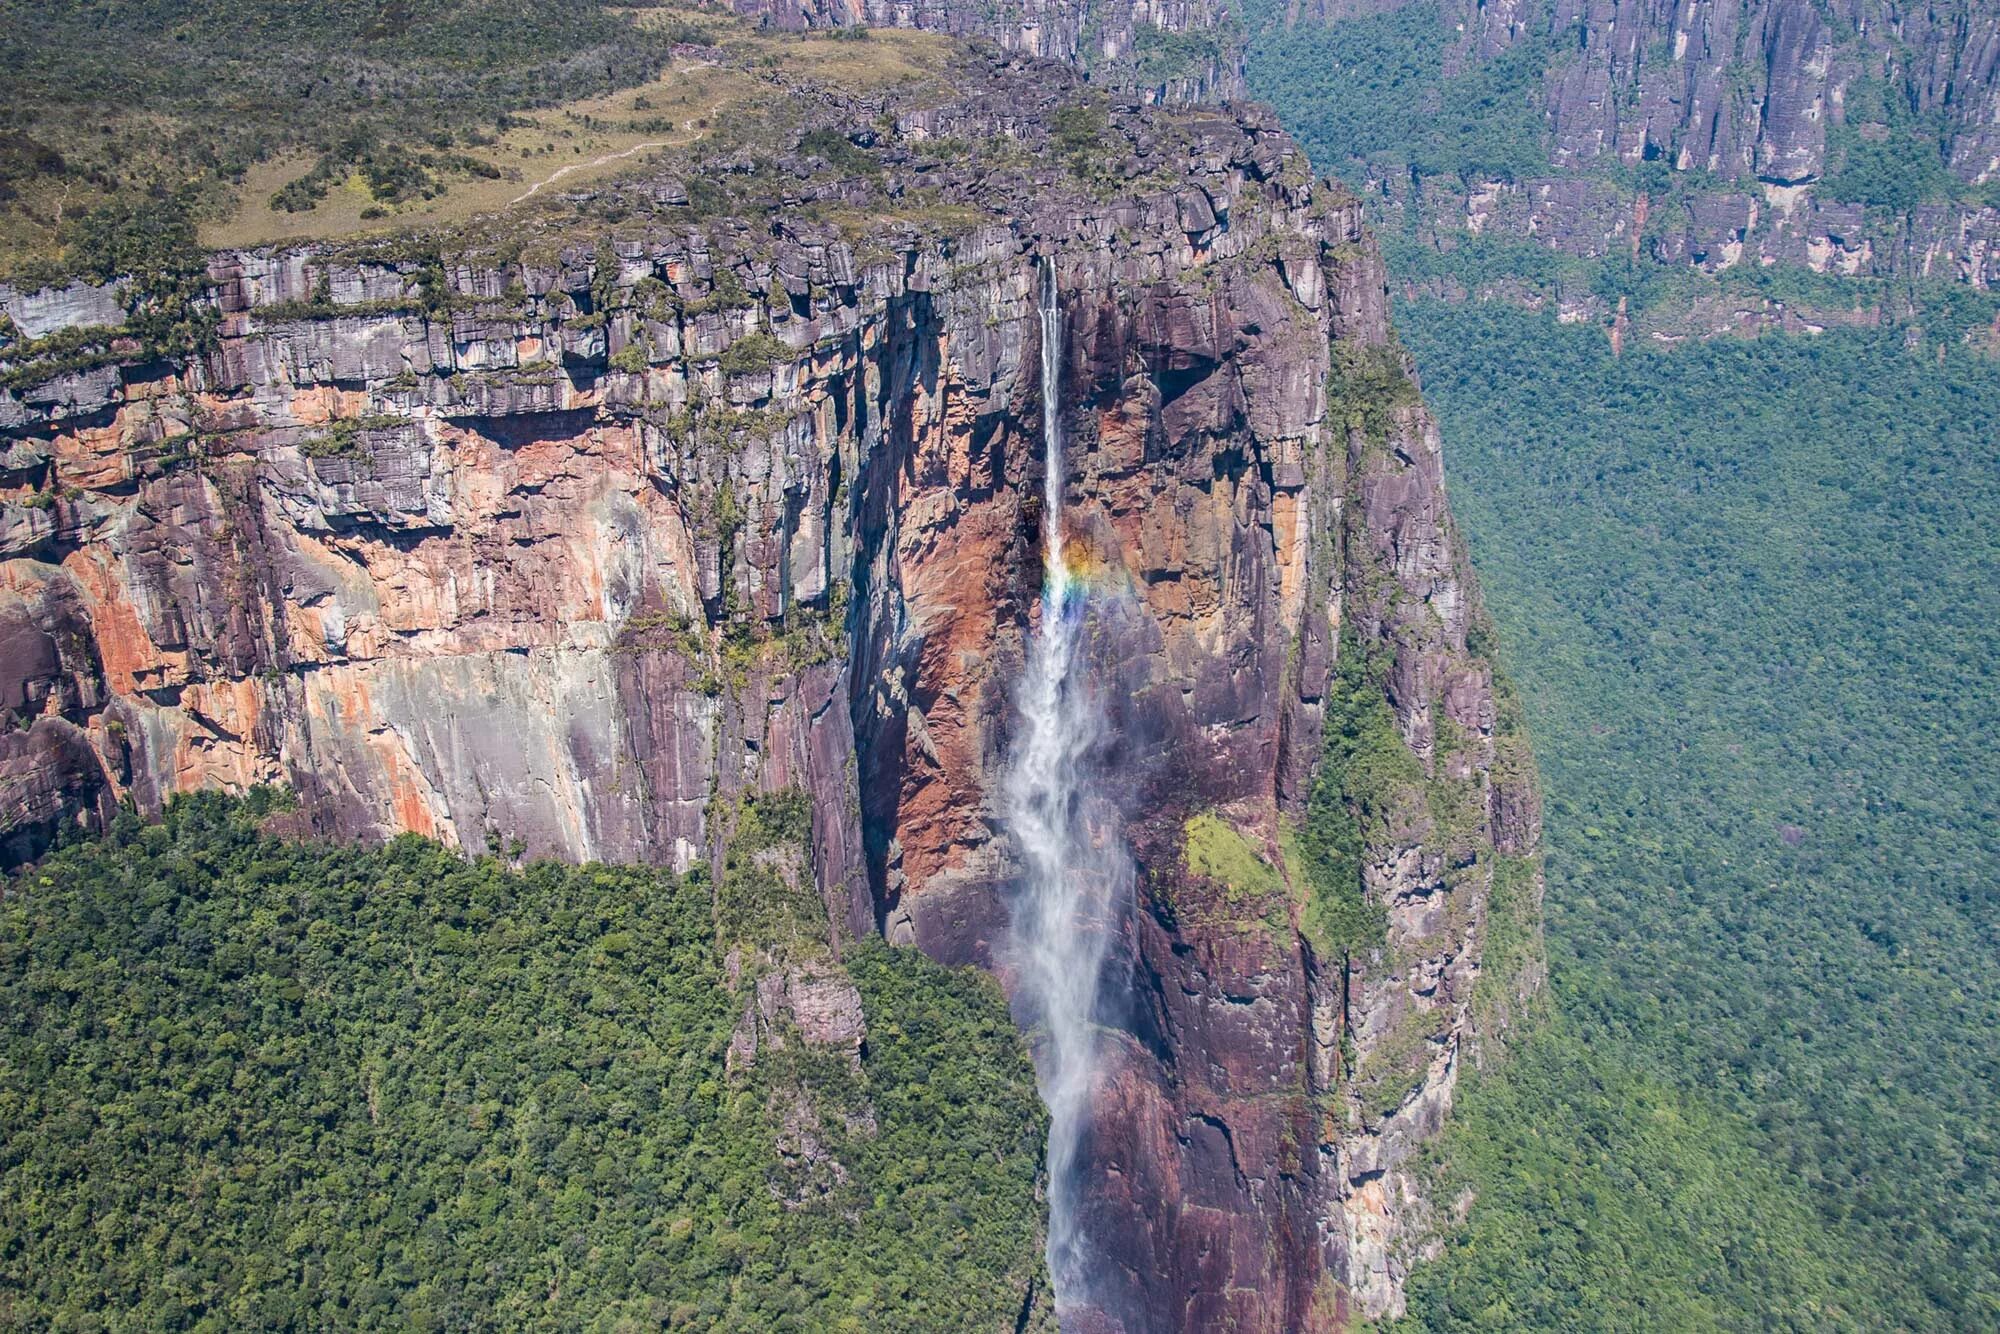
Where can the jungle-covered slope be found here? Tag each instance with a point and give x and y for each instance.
(253, 1083)
(1748, 591)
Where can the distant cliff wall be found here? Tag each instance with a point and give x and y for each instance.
(1856, 138)
(1173, 50)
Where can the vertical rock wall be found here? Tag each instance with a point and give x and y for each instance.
(565, 552)
(1754, 105)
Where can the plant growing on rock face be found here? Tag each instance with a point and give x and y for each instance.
(1363, 764)
(726, 292)
(60, 353)
(434, 289)
(1253, 889)
(839, 152)
(755, 352)
(344, 438)
(604, 270)
(1082, 138)
(152, 247)
(1370, 384)
(765, 894)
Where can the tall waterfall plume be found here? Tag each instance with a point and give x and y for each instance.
(1074, 868)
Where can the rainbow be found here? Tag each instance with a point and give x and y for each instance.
(1080, 572)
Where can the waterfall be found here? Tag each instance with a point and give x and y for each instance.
(1071, 876)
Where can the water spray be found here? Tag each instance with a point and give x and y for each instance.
(1070, 880)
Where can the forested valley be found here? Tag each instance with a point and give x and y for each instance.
(1748, 589)
(248, 1082)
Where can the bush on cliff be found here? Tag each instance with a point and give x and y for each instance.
(1363, 764)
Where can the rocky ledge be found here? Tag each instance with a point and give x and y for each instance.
(570, 534)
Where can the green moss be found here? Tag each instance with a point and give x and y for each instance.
(1253, 892)
(1215, 850)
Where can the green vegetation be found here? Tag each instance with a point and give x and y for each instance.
(344, 438)
(840, 152)
(1751, 597)
(1083, 138)
(1364, 770)
(1253, 894)
(1369, 386)
(390, 173)
(767, 898)
(1608, 1201)
(252, 1084)
(166, 102)
(754, 352)
(1217, 851)
(1372, 94)
(1883, 154)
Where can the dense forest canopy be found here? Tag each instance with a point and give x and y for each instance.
(1750, 592)
(248, 1083)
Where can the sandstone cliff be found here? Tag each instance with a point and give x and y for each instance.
(566, 534)
(1754, 106)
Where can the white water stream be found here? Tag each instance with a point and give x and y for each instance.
(1072, 874)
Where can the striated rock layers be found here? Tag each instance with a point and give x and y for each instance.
(563, 542)
(1754, 104)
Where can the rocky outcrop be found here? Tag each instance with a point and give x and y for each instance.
(1751, 104)
(1738, 88)
(1169, 50)
(573, 543)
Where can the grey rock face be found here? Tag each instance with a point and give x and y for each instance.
(1747, 91)
(40, 313)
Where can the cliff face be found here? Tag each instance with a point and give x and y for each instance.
(1755, 104)
(1170, 50)
(564, 543)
